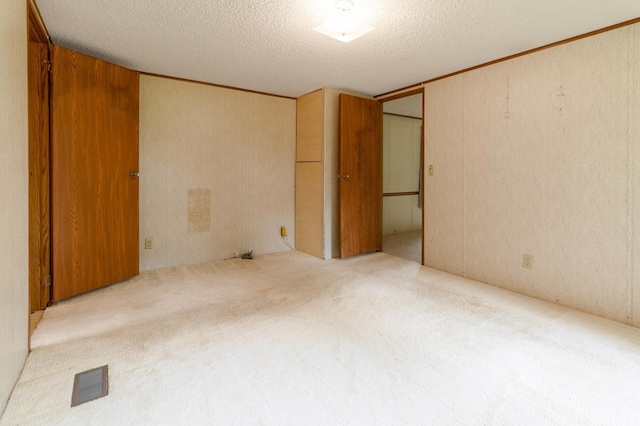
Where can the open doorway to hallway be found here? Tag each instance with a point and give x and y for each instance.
(402, 177)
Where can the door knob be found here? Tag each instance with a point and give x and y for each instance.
(345, 177)
(134, 174)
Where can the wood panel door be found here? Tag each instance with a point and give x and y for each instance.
(360, 175)
(94, 148)
(39, 230)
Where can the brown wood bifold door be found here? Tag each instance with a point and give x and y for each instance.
(360, 175)
(94, 148)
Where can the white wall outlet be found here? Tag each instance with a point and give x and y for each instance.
(430, 169)
(527, 261)
(148, 243)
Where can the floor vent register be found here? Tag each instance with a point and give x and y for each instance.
(90, 385)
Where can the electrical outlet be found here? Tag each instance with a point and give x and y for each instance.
(283, 231)
(430, 169)
(148, 243)
(527, 261)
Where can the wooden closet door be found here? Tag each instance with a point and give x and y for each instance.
(360, 175)
(94, 148)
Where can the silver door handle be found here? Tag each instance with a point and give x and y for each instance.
(345, 177)
(134, 174)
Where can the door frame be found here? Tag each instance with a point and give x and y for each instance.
(414, 92)
(39, 213)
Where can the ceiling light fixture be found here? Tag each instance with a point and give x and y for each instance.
(343, 26)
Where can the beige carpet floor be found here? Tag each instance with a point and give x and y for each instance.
(407, 245)
(287, 339)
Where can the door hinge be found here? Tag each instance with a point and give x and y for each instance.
(47, 281)
(47, 65)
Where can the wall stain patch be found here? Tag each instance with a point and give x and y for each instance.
(199, 210)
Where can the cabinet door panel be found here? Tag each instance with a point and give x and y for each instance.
(310, 127)
(309, 208)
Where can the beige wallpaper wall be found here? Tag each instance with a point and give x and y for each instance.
(14, 195)
(531, 156)
(634, 175)
(444, 206)
(238, 145)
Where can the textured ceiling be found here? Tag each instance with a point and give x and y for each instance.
(270, 46)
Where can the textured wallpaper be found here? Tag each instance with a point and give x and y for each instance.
(14, 190)
(634, 177)
(444, 207)
(232, 149)
(532, 156)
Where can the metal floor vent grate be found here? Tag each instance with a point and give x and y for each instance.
(90, 385)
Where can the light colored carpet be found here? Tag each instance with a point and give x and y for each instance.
(288, 339)
(34, 319)
(407, 245)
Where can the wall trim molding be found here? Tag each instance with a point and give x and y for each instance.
(419, 86)
(401, 115)
(186, 80)
(397, 94)
(37, 28)
(400, 194)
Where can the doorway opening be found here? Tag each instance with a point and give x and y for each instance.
(402, 159)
